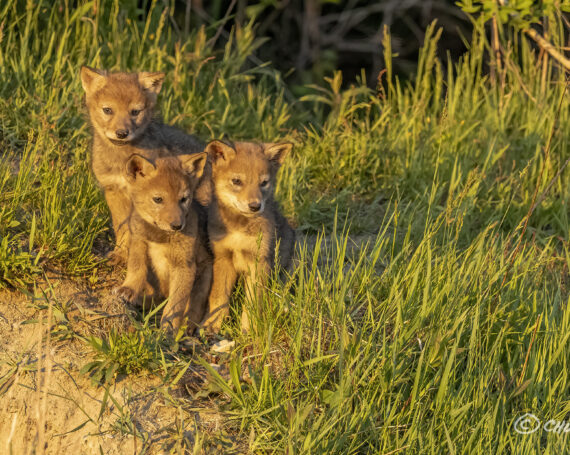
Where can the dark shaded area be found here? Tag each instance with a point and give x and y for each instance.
(308, 39)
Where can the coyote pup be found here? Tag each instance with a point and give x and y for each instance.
(244, 222)
(168, 236)
(121, 110)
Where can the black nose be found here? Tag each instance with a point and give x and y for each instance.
(254, 206)
(176, 227)
(121, 134)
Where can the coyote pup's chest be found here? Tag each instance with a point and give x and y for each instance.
(158, 254)
(244, 249)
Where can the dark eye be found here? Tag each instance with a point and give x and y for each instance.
(107, 111)
(236, 182)
(183, 200)
(157, 200)
(135, 112)
(264, 183)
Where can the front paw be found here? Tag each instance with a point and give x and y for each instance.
(117, 257)
(212, 324)
(126, 294)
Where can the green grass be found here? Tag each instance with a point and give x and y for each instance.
(426, 324)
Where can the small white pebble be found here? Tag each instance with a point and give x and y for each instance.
(223, 346)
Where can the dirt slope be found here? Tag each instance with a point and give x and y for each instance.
(44, 399)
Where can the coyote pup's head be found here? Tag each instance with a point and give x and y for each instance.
(244, 174)
(162, 190)
(120, 104)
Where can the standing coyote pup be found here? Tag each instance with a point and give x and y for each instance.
(244, 222)
(121, 110)
(168, 236)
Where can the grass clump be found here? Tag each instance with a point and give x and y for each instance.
(397, 345)
(142, 349)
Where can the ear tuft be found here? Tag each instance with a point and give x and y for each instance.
(151, 81)
(194, 164)
(92, 79)
(138, 166)
(277, 152)
(219, 152)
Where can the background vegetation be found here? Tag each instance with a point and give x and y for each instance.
(429, 307)
(308, 39)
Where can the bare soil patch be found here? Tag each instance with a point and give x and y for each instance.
(45, 401)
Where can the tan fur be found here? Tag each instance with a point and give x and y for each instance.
(243, 239)
(121, 109)
(168, 237)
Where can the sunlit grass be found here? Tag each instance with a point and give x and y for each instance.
(411, 322)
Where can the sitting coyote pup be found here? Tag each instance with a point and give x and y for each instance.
(121, 110)
(168, 234)
(244, 222)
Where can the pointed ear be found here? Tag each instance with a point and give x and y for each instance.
(92, 79)
(194, 164)
(138, 166)
(277, 152)
(151, 81)
(219, 152)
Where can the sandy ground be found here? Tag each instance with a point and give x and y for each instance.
(45, 401)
